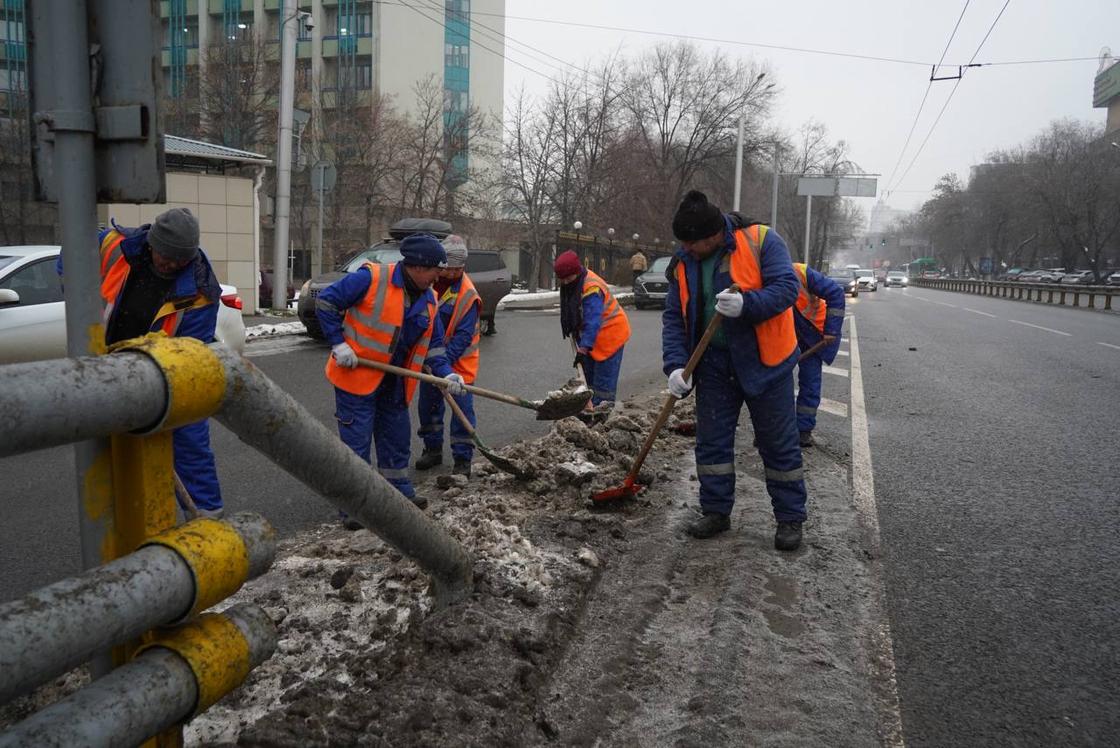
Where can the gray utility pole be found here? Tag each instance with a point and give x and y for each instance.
(284, 155)
(323, 176)
(739, 159)
(774, 193)
(808, 216)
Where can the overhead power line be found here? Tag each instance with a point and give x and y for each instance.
(956, 85)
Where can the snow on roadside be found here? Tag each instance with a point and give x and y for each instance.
(282, 328)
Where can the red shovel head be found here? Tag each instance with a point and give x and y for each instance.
(628, 490)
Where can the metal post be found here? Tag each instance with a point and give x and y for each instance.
(284, 156)
(774, 191)
(61, 26)
(319, 242)
(808, 216)
(739, 160)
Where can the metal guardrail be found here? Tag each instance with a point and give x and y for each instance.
(1055, 293)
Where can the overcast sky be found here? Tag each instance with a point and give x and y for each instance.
(870, 104)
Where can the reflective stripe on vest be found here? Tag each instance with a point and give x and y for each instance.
(615, 328)
(467, 365)
(372, 328)
(776, 337)
(809, 305)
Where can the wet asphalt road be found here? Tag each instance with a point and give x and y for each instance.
(996, 454)
(39, 534)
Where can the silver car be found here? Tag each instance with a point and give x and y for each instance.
(33, 315)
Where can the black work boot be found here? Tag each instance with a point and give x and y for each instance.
(788, 536)
(430, 458)
(806, 438)
(420, 501)
(461, 467)
(349, 522)
(709, 525)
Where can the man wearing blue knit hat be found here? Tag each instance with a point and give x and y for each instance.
(385, 313)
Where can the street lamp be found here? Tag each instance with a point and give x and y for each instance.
(634, 237)
(739, 146)
(284, 151)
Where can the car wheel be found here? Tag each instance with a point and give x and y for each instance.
(489, 328)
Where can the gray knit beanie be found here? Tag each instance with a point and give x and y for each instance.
(174, 235)
(456, 250)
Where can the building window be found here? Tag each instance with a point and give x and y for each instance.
(363, 76)
(457, 55)
(11, 31)
(185, 35)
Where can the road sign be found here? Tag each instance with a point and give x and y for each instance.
(323, 176)
(985, 265)
(837, 186)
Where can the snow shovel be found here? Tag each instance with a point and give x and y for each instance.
(630, 486)
(559, 404)
(502, 463)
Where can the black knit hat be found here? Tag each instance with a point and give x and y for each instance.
(696, 218)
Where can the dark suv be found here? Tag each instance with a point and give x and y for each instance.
(485, 268)
(651, 287)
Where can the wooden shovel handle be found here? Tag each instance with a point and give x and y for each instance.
(443, 383)
(671, 401)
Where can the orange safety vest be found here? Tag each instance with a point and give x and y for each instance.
(371, 327)
(467, 365)
(776, 336)
(615, 330)
(809, 305)
(114, 274)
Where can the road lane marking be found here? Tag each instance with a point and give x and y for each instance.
(942, 303)
(834, 370)
(977, 311)
(1040, 327)
(919, 298)
(863, 495)
(1109, 345)
(842, 353)
(835, 407)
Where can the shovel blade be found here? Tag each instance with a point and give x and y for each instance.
(627, 490)
(563, 404)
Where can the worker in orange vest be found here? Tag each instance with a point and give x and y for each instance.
(591, 316)
(820, 316)
(460, 309)
(749, 360)
(385, 313)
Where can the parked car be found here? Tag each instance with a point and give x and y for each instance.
(865, 279)
(897, 278)
(651, 287)
(1079, 278)
(846, 279)
(486, 268)
(1051, 275)
(33, 315)
(265, 289)
(1029, 276)
(1114, 279)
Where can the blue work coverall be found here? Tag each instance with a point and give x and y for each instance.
(727, 377)
(381, 416)
(431, 406)
(809, 369)
(193, 457)
(602, 376)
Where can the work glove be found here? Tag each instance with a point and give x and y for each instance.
(344, 355)
(729, 303)
(678, 385)
(583, 357)
(455, 384)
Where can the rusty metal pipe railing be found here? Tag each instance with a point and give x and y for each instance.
(60, 626)
(162, 687)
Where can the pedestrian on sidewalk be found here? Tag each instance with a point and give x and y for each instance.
(820, 316)
(156, 278)
(750, 359)
(594, 319)
(385, 313)
(460, 309)
(638, 264)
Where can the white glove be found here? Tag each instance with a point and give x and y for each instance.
(729, 303)
(455, 384)
(678, 385)
(344, 355)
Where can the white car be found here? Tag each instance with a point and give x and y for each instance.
(33, 315)
(865, 280)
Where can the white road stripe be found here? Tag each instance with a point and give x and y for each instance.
(842, 353)
(1039, 327)
(863, 494)
(942, 303)
(919, 298)
(977, 311)
(835, 407)
(1109, 345)
(834, 370)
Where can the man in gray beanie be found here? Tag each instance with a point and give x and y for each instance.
(155, 278)
(460, 308)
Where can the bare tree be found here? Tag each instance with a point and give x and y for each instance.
(237, 89)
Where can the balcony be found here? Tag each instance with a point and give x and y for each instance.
(362, 45)
(192, 7)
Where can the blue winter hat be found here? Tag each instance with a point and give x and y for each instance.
(423, 250)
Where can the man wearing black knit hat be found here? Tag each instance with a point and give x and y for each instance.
(749, 360)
